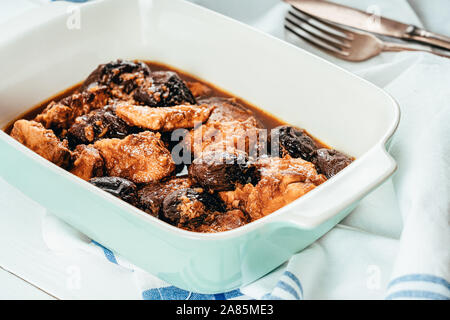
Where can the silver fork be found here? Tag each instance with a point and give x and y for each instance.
(342, 43)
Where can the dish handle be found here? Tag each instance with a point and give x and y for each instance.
(340, 192)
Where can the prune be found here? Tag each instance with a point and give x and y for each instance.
(225, 221)
(152, 195)
(294, 141)
(119, 187)
(329, 161)
(220, 171)
(98, 124)
(110, 73)
(167, 90)
(190, 206)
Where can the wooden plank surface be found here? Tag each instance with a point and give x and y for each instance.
(71, 274)
(12, 287)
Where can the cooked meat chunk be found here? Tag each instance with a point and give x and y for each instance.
(226, 136)
(34, 136)
(98, 124)
(141, 158)
(119, 187)
(88, 162)
(221, 170)
(329, 161)
(223, 222)
(198, 89)
(164, 118)
(165, 90)
(152, 195)
(121, 77)
(227, 109)
(292, 141)
(282, 181)
(60, 115)
(191, 207)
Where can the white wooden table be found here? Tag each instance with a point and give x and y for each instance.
(11, 285)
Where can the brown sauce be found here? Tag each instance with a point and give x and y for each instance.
(268, 120)
(138, 168)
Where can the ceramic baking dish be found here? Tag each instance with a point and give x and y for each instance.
(52, 51)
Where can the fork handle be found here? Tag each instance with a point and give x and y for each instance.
(391, 46)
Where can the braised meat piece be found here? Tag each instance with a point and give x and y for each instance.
(165, 90)
(226, 136)
(98, 124)
(292, 141)
(121, 77)
(164, 118)
(227, 109)
(141, 158)
(198, 89)
(329, 161)
(152, 195)
(119, 187)
(190, 207)
(221, 170)
(282, 181)
(88, 163)
(34, 136)
(60, 115)
(223, 222)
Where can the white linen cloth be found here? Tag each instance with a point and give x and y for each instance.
(395, 245)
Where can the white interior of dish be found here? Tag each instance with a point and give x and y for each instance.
(338, 108)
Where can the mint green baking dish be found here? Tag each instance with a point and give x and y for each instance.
(341, 109)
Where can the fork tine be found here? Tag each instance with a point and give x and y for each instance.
(330, 39)
(320, 23)
(315, 42)
(322, 30)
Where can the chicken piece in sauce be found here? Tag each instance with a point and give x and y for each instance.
(227, 109)
(243, 136)
(34, 136)
(61, 115)
(198, 89)
(141, 158)
(164, 118)
(282, 181)
(88, 163)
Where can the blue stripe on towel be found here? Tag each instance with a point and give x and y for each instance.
(232, 294)
(416, 294)
(420, 277)
(270, 296)
(294, 278)
(174, 293)
(286, 287)
(108, 253)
